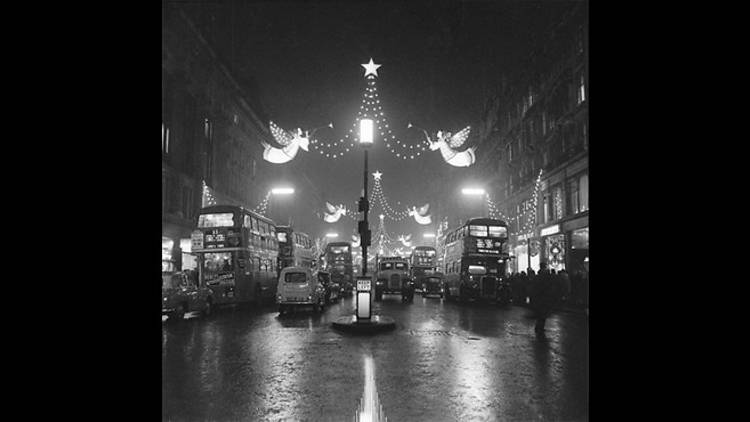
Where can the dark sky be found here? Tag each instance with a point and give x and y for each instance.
(440, 62)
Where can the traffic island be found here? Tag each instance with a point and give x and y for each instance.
(376, 324)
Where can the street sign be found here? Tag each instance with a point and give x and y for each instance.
(364, 297)
(364, 285)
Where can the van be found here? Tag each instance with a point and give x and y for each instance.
(299, 286)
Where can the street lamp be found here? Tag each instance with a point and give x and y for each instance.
(282, 191)
(472, 191)
(475, 192)
(366, 140)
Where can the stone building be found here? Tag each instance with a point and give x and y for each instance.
(211, 137)
(540, 124)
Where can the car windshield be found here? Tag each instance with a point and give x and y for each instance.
(295, 278)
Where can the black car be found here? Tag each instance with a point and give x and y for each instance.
(433, 285)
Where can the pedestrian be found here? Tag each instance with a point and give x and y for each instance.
(546, 292)
(523, 282)
(565, 280)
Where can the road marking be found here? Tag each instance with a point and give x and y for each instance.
(370, 409)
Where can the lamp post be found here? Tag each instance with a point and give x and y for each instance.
(366, 140)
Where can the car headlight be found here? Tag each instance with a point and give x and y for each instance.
(309, 297)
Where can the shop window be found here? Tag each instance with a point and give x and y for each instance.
(547, 207)
(579, 239)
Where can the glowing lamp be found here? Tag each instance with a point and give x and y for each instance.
(472, 191)
(332, 235)
(365, 132)
(429, 235)
(282, 191)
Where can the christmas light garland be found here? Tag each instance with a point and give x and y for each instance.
(207, 198)
(370, 109)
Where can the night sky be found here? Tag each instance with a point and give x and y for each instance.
(440, 62)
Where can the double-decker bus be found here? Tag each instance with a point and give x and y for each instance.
(423, 263)
(237, 254)
(295, 248)
(338, 261)
(474, 259)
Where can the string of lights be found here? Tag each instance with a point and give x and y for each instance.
(263, 206)
(207, 197)
(530, 208)
(494, 209)
(382, 238)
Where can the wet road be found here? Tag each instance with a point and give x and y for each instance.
(444, 361)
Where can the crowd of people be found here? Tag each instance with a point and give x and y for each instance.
(548, 289)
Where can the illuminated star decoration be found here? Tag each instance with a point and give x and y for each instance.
(377, 174)
(371, 68)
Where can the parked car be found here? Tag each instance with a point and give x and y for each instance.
(299, 286)
(180, 295)
(332, 289)
(433, 285)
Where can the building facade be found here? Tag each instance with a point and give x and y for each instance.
(541, 128)
(211, 137)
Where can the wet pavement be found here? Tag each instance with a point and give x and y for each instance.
(444, 361)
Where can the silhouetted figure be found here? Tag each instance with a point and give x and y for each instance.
(566, 287)
(546, 293)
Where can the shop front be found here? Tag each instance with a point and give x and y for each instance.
(522, 261)
(577, 232)
(176, 247)
(553, 247)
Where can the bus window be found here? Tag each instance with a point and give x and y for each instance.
(248, 222)
(479, 231)
(224, 219)
(498, 231)
(254, 224)
(216, 265)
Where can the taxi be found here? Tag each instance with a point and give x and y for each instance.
(299, 286)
